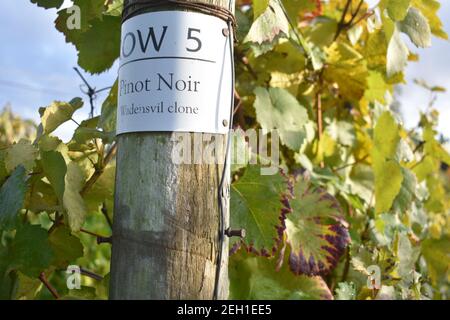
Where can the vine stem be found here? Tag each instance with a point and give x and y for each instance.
(319, 120)
(47, 284)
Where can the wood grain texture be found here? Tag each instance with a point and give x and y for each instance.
(166, 221)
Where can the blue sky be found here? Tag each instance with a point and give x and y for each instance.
(36, 54)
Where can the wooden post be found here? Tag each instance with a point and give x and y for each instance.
(166, 221)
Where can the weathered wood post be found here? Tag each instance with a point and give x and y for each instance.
(167, 221)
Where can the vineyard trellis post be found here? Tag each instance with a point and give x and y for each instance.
(168, 226)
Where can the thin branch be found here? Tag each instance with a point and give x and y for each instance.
(49, 286)
(91, 274)
(368, 14)
(341, 23)
(346, 266)
(110, 155)
(319, 120)
(352, 164)
(105, 213)
(355, 14)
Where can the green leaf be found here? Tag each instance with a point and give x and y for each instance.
(315, 230)
(98, 40)
(432, 147)
(388, 181)
(417, 28)
(268, 26)
(21, 153)
(89, 10)
(109, 110)
(84, 293)
(386, 135)
(103, 190)
(256, 207)
(397, 54)
(115, 8)
(259, 7)
(12, 197)
(26, 288)
(376, 87)
(347, 68)
(407, 191)
(48, 4)
(58, 113)
(87, 131)
(346, 291)
(397, 9)
(73, 202)
(276, 108)
(99, 47)
(436, 253)
(407, 256)
(66, 247)
(30, 250)
(342, 132)
(55, 169)
(256, 278)
(429, 9)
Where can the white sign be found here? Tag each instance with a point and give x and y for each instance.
(175, 73)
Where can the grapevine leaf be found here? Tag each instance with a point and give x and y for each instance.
(276, 108)
(98, 40)
(388, 181)
(269, 25)
(429, 9)
(115, 8)
(73, 202)
(21, 153)
(103, 190)
(55, 169)
(407, 191)
(432, 147)
(12, 197)
(377, 87)
(436, 253)
(84, 293)
(99, 46)
(256, 206)
(26, 288)
(346, 68)
(259, 7)
(89, 10)
(417, 28)
(58, 113)
(346, 291)
(407, 256)
(397, 54)
(66, 247)
(48, 4)
(256, 278)
(109, 111)
(315, 230)
(386, 135)
(87, 131)
(397, 9)
(30, 250)
(6, 281)
(387, 172)
(341, 131)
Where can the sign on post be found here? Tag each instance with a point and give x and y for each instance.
(175, 73)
